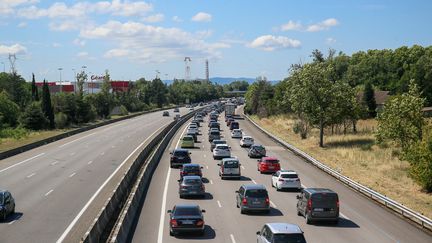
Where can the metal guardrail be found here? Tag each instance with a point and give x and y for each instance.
(406, 212)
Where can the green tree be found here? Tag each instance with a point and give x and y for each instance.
(81, 77)
(402, 120)
(46, 105)
(34, 89)
(33, 117)
(159, 92)
(9, 111)
(369, 100)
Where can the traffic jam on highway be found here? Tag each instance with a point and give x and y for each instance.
(316, 205)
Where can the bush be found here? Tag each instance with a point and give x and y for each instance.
(34, 118)
(85, 111)
(61, 120)
(123, 110)
(9, 111)
(16, 133)
(300, 127)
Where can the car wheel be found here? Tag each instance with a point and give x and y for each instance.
(13, 210)
(336, 221)
(298, 213)
(242, 211)
(267, 211)
(181, 196)
(308, 219)
(171, 233)
(201, 233)
(4, 216)
(277, 188)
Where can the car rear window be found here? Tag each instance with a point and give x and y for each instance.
(272, 161)
(324, 197)
(256, 193)
(191, 168)
(288, 238)
(223, 147)
(214, 133)
(231, 164)
(188, 138)
(289, 176)
(181, 153)
(219, 142)
(192, 181)
(186, 211)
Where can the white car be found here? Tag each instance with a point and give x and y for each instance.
(236, 133)
(193, 128)
(284, 179)
(246, 141)
(221, 151)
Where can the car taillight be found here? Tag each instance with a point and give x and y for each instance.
(182, 173)
(309, 205)
(267, 200)
(173, 158)
(244, 201)
(337, 203)
(200, 222)
(173, 223)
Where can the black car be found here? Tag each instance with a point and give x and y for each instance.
(214, 125)
(165, 113)
(7, 204)
(186, 218)
(234, 125)
(179, 157)
(257, 151)
(191, 169)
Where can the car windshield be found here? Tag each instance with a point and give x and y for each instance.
(192, 181)
(188, 138)
(259, 148)
(288, 238)
(187, 211)
(181, 153)
(219, 142)
(260, 193)
(324, 197)
(231, 164)
(289, 176)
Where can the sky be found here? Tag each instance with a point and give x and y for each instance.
(239, 38)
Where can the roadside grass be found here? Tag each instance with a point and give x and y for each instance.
(358, 157)
(30, 137)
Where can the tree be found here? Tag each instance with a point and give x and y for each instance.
(81, 77)
(46, 105)
(33, 117)
(159, 92)
(106, 85)
(9, 111)
(369, 100)
(35, 93)
(402, 119)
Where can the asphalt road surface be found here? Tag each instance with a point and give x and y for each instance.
(360, 219)
(60, 188)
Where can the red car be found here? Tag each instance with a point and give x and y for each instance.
(268, 165)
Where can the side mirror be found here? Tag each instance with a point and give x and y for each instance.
(219, 164)
(298, 197)
(179, 180)
(274, 174)
(203, 211)
(169, 211)
(258, 233)
(202, 167)
(190, 153)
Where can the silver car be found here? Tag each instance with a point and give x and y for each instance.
(221, 151)
(191, 186)
(229, 168)
(280, 233)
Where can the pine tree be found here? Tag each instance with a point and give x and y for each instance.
(369, 100)
(46, 105)
(35, 95)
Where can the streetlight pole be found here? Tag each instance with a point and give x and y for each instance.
(84, 67)
(75, 78)
(61, 83)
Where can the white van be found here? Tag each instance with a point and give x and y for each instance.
(229, 168)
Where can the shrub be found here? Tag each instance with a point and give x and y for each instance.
(61, 120)
(16, 133)
(34, 118)
(9, 111)
(123, 110)
(300, 127)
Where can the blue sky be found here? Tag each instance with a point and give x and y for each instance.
(133, 39)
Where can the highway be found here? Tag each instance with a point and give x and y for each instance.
(60, 188)
(361, 219)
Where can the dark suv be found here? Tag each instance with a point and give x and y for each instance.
(7, 204)
(252, 197)
(179, 157)
(318, 204)
(257, 151)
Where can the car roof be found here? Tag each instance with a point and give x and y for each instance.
(319, 190)
(218, 140)
(270, 158)
(222, 145)
(287, 172)
(284, 228)
(247, 136)
(254, 186)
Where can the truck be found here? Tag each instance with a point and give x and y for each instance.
(230, 109)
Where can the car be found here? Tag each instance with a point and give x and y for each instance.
(246, 141)
(7, 204)
(187, 142)
(286, 179)
(215, 142)
(193, 134)
(186, 218)
(279, 233)
(253, 197)
(215, 129)
(190, 169)
(193, 129)
(268, 165)
(196, 122)
(229, 168)
(234, 125)
(221, 151)
(214, 116)
(199, 118)
(179, 157)
(177, 117)
(257, 151)
(165, 113)
(191, 185)
(318, 204)
(176, 109)
(236, 133)
(214, 135)
(227, 117)
(191, 108)
(229, 121)
(214, 125)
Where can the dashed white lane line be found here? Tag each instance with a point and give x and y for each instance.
(242, 167)
(205, 155)
(72, 154)
(102, 153)
(61, 146)
(54, 163)
(49, 192)
(219, 204)
(343, 215)
(91, 161)
(113, 146)
(254, 182)
(207, 167)
(232, 238)
(71, 175)
(22, 162)
(211, 182)
(272, 204)
(32, 174)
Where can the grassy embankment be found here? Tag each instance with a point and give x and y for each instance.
(358, 157)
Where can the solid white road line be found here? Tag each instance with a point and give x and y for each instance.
(22, 162)
(61, 146)
(32, 174)
(207, 167)
(232, 238)
(242, 167)
(91, 161)
(219, 204)
(254, 182)
(71, 175)
(272, 204)
(49, 192)
(75, 220)
(54, 163)
(343, 215)
(165, 192)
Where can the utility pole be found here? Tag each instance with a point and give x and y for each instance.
(61, 83)
(207, 70)
(12, 60)
(187, 62)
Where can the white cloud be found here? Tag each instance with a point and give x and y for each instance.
(22, 25)
(202, 17)
(82, 54)
(64, 25)
(79, 42)
(13, 49)
(330, 41)
(177, 19)
(291, 25)
(204, 34)
(56, 45)
(271, 43)
(154, 18)
(324, 25)
(7, 7)
(149, 43)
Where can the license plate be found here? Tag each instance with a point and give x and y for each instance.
(255, 202)
(193, 192)
(318, 209)
(187, 222)
(271, 167)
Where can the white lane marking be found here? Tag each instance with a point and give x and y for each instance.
(75, 220)
(113, 146)
(61, 146)
(32, 174)
(165, 192)
(91, 161)
(203, 146)
(205, 155)
(72, 154)
(207, 167)
(272, 204)
(54, 163)
(49, 192)
(343, 215)
(102, 153)
(219, 204)
(232, 238)
(22, 162)
(211, 182)
(71, 175)
(254, 182)
(242, 167)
